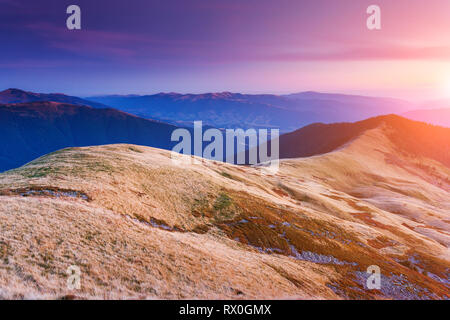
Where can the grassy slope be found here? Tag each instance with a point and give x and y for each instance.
(140, 225)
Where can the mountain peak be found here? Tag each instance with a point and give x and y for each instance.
(15, 91)
(14, 95)
(416, 138)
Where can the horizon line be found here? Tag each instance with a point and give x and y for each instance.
(199, 93)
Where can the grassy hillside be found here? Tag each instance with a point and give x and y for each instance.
(140, 225)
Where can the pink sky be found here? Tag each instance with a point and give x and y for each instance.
(249, 46)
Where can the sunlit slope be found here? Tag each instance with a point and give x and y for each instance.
(137, 226)
(141, 225)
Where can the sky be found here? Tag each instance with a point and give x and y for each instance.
(250, 46)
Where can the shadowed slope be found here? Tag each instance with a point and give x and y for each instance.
(30, 130)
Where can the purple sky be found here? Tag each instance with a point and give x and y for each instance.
(277, 46)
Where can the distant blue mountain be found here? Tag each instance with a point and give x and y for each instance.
(30, 130)
(19, 96)
(34, 124)
(235, 110)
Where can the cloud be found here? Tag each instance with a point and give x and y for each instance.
(365, 53)
(33, 63)
(113, 45)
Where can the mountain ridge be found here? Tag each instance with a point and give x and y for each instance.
(13, 95)
(233, 110)
(237, 110)
(321, 138)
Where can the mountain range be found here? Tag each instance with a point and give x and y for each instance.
(96, 187)
(235, 110)
(31, 126)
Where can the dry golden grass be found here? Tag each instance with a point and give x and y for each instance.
(142, 226)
